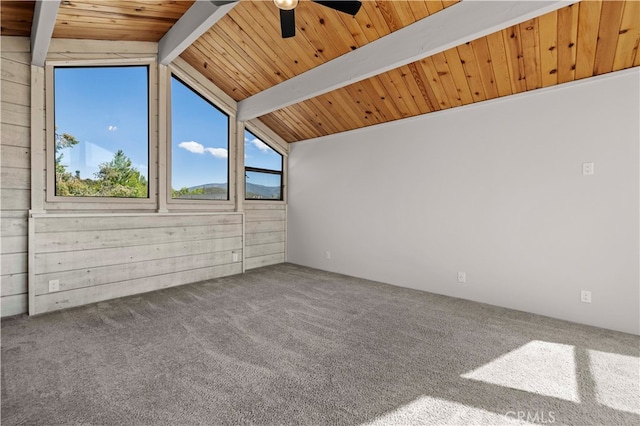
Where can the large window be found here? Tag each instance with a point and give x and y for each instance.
(263, 170)
(199, 146)
(101, 131)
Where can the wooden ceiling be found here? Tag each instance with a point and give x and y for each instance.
(587, 39)
(140, 20)
(16, 17)
(243, 53)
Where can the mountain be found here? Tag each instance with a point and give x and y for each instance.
(209, 186)
(252, 190)
(261, 191)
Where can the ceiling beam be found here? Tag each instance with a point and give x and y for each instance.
(451, 27)
(201, 16)
(44, 19)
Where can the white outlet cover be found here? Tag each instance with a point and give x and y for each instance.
(462, 277)
(54, 285)
(585, 296)
(588, 169)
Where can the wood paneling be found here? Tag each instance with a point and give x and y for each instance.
(579, 41)
(15, 173)
(244, 54)
(16, 17)
(133, 20)
(628, 37)
(265, 242)
(13, 305)
(14, 285)
(119, 255)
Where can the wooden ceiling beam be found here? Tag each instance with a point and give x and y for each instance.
(201, 16)
(451, 27)
(44, 19)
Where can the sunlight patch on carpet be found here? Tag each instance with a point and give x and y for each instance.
(617, 380)
(428, 410)
(544, 368)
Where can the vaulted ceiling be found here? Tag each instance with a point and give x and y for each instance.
(244, 54)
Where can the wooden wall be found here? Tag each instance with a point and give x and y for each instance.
(95, 250)
(15, 161)
(115, 255)
(265, 234)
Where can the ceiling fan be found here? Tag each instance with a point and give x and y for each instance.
(287, 11)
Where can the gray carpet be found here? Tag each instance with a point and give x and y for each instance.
(292, 345)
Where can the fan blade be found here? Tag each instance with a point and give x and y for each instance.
(350, 7)
(287, 23)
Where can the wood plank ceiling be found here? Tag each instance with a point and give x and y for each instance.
(16, 17)
(244, 54)
(140, 20)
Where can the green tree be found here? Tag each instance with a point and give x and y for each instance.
(115, 178)
(118, 178)
(184, 192)
(62, 141)
(180, 193)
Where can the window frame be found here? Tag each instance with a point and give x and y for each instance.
(208, 93)
(255, 129)
(57, 202)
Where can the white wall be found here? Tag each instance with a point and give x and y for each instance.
(495, 190)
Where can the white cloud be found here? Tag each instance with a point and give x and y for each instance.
(198, 148)
(112, 128)
(260, 145)
(192, 146)
(217, 152)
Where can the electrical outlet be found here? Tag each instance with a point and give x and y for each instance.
(462, 277)
(588, 169)
(235, 256)
(54, 285)
(327, 255)
(585, 296)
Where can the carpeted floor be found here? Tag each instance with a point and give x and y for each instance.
(292, 345)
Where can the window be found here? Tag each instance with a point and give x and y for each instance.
(101, 131)
(199, 146)
(263, 170)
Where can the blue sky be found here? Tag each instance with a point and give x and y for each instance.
(199, 141)
(106, 109)
(259, 154)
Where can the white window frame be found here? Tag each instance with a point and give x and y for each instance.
(210, 93)
(55, 202)
(277, 144)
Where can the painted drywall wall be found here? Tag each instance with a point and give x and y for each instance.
(495, 190)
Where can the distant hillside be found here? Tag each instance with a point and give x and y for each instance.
(253, 190)
(261, 191)
(211, 187)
